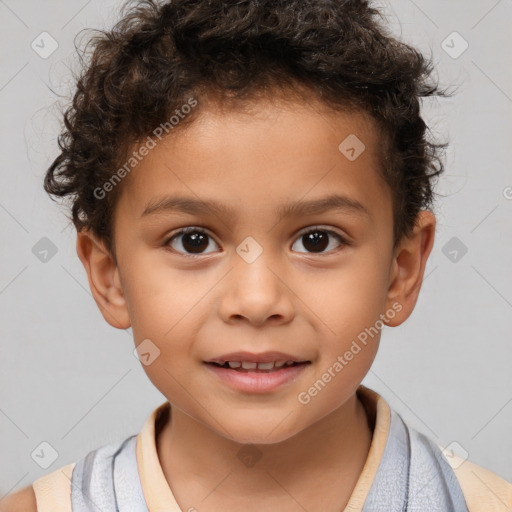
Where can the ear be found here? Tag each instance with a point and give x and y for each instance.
(104, 279)
(408, 267)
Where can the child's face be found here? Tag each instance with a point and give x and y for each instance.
(310, 301)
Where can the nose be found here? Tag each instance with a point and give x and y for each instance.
(256, 293)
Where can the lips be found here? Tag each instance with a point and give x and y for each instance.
(264, 357)
(253, 379)
(248, 366)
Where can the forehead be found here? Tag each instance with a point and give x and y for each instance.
(252, 160)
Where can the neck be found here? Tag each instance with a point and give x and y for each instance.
(327, 457)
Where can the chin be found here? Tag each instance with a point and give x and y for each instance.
(262, 433)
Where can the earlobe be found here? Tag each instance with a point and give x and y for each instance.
(104, 279)
(408, 267)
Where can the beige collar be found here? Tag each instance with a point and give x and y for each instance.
(159, 497)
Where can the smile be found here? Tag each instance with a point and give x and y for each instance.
(252, 366)
(253, 377)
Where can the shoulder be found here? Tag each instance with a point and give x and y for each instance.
(49, 493)
(23, 500)
(483, 490)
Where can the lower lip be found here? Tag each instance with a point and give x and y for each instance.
(257, 382)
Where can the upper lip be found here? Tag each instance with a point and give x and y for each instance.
(263, 357)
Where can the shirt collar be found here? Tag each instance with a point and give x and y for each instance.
(158, 494)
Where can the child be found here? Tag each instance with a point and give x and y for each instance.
(251, 186)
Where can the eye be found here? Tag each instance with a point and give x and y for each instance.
(317, 240)
(193, 240)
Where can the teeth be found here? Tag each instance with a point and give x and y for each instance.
(247, 365)
(266, 366)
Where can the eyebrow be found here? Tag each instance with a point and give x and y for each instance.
(193, 206)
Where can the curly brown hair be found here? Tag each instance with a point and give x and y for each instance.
(160, 54)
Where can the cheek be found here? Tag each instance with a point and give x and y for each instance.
(349, 298)
(158, 297)
(171, 339)
(168, 308)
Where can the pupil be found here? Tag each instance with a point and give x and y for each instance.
(317, 241)
(195, 242)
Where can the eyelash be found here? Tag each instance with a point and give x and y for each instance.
(193, 229)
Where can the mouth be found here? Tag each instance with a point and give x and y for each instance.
(257, 377)
(263, 372)
(257, 367)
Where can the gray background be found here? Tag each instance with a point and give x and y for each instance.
(70, 379)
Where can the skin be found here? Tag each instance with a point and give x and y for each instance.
(289, 299)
